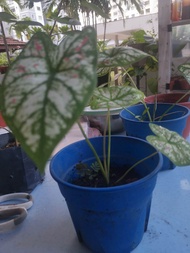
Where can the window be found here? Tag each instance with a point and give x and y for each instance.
(38, 8)
(40, 17)
(147, 2)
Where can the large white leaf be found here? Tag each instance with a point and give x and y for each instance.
(46, 89)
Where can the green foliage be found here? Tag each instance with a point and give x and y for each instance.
(94, 7)
(3, 59)
(185, 71)
(23, 27)
(85, 171)
(7, 17)
(66, 20)
(153, 85)
(137, 37)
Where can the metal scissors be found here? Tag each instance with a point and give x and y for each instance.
(13, 210)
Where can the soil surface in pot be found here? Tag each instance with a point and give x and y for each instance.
(92, 178)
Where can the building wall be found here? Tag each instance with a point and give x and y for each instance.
(148, 7)
(35, 14)
(134, 20)
(121, 29)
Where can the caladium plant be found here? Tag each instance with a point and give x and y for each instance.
(47, 87)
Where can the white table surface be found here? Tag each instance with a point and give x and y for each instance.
(48, 227)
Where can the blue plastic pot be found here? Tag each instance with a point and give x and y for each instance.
(175, 120)
(108, 219)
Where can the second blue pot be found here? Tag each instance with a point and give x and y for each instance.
(175, 120)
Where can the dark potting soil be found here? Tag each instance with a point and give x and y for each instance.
(96, 179)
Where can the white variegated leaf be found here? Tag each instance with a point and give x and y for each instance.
(120, 57)
(46, 89)
(115, 96)
(171, 144)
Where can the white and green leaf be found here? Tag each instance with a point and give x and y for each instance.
(120, 57)
(115, 96)
(171, 144)
(46, 90)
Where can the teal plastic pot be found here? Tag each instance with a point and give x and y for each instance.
(108, 219)
(175, 120)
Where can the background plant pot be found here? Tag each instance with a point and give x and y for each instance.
(3, 69)
(17, 171)
(174, 121)
(97, 119)
(173, 98)
(179, 83)
(108, 219)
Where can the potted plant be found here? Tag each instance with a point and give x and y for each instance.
(136, 121)
(3, 63)
(49, 83)
(144, 71)
(173, 98)
(113, 94)
(181, 97)
(96, 111)
(18, 173)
